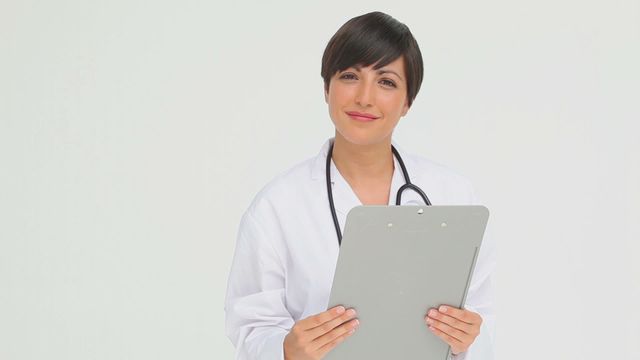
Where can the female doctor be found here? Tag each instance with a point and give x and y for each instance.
(288, 239)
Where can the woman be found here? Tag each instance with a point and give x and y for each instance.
(287, 246)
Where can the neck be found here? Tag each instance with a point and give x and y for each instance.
(363, 163)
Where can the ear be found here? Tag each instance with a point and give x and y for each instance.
(405, 108)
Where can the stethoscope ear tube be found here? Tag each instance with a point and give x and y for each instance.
(407, 185)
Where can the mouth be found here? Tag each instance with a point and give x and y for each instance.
(361, 116)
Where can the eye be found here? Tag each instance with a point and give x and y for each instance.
(388, 83)
(348, 76)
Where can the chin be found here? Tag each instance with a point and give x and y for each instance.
(362, 137)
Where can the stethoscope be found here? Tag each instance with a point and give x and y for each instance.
(407, 185)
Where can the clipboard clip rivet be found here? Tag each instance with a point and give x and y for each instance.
(420, 211)
(444, 224)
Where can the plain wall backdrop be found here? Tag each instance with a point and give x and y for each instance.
(133, 135)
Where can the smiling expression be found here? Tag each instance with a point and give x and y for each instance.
(365, 105)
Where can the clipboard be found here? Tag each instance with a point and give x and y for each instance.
(395, 263)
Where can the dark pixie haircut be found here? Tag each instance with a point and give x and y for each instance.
(373, 38)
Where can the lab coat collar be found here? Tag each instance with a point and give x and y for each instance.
(345, 198)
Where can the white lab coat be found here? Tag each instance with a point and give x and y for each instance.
(286, 253)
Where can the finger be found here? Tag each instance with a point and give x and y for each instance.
(322, 351)
(452, 332)
(329, 340)
(332, 324)
(451, 321)
(323, 317)
(452, 341)
(461, 314)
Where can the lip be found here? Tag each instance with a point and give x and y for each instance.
(361, 116)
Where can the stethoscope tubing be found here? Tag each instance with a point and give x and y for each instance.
(407, 185)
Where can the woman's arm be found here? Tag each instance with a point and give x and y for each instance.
(257, 319)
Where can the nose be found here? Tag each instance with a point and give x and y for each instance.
(365, 94)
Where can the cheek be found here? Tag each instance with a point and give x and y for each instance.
(338, 96)
(391, 102)
(339, 91)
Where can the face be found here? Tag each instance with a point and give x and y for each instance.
(366, 104)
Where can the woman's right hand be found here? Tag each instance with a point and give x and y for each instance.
(312, 338)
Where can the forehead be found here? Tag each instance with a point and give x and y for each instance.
(396, 66)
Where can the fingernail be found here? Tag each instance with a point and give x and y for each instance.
(351, 312)
(443, 308)
(357, 323)
(433, 312)
(340, 309)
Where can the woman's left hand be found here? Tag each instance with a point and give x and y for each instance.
(457, 327)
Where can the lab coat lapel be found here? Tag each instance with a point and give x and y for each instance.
(344, 198)
(397, 180)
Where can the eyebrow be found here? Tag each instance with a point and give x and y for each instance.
(380, 71)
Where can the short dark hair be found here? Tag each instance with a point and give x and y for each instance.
(373, 38)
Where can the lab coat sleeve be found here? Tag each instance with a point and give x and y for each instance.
(257, 319)
(480, 299)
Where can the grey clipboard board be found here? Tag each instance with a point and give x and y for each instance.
(395, 263)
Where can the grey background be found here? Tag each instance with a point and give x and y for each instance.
(133, 134)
